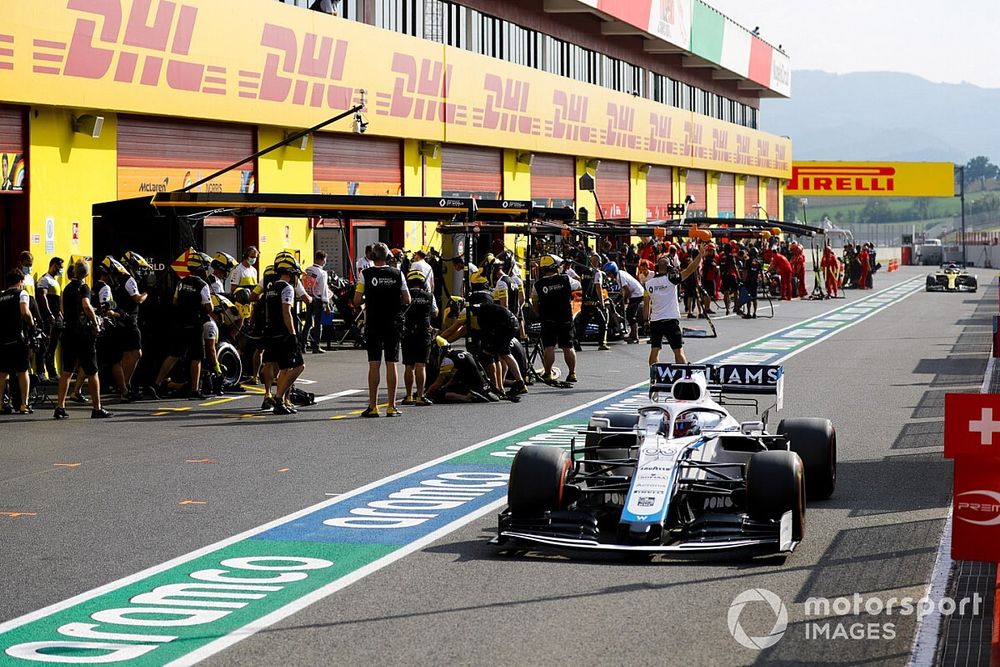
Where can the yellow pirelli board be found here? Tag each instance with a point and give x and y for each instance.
(275, 64)
(872, 179)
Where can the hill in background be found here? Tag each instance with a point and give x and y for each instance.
(884, 116)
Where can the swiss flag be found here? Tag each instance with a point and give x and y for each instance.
(972, 426)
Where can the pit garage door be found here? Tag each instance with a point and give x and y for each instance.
(727, 195)
(471, 171)
(696, 188)
(553, 180)
(612, 184)
(348, 164)
(659, 192)
(751, 196)
(772, 198)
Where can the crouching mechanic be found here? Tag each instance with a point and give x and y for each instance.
(458, 378)
(417, 339)
(282, 346)
(662, 310)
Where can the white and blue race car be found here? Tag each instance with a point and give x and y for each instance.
(678, 475)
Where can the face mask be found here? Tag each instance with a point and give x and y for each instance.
(26, 270)
(59, 272)
(251, 260)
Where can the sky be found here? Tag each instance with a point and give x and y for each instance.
(944, 42)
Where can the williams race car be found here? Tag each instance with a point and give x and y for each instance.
(678, 475)
(952, 278)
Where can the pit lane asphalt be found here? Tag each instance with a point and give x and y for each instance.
(457, 600)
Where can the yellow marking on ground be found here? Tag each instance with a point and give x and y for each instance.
(255, 390)
(219, 402)
(339, 417)
(14, 515)
(66, 465)
(355, 413)
(160, 414)
(192, 502)
(201, 461)
(283, 469)
(162, 409)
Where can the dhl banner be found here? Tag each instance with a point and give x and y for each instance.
(872, 179)
(275, 64)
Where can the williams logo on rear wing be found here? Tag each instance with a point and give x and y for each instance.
(725, 378)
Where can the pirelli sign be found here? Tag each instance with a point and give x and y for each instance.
(872, 179)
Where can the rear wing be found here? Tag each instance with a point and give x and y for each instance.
(723, 378)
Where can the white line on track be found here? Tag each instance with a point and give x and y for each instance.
(346, 392)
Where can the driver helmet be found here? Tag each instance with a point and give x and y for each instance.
(687, 424)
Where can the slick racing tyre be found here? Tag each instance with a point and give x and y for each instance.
(775, 485)
(232, 366)
(815, 441)
(537, 479)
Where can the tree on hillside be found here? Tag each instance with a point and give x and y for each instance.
(981, 169)
(875, 210)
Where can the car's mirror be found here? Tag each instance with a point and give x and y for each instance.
(749, 428)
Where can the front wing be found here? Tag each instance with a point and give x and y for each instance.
(780, 542)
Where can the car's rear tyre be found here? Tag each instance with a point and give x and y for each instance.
(775, 485)
(537, 479)
(815, 441)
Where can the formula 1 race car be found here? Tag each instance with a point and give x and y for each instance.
(678, 475)
(952, 278)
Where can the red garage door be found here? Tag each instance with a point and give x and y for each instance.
(659, 193)
(751, 196)
(612, 185)
(161, 154)
(12, 164)
(347, 164)
(470, 171)
(696, 188)
(553, 180)
(727, 195)
(772, 198)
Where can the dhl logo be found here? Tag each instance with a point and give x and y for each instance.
(660, 131)
(843, 179)
(506, 107)
(419, 92)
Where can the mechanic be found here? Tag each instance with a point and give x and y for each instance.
(49, 297)
(385, 294)
(631, 290)
(282, 343)
(864, 268)
(127, 338)
(552, 296)
(592, 306)
(781, 266)
(457, 376)
(244, 274)
(364, 262)
(417, 338)
(458, 266)
(831, 269)
(15, 356)
(752, 275)
(79, 342)
(223, 265)
(662, 310)
(193, 302)
(421, 264)
(799, 269)
(506, 277)
(316, 283)
(27, 260)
